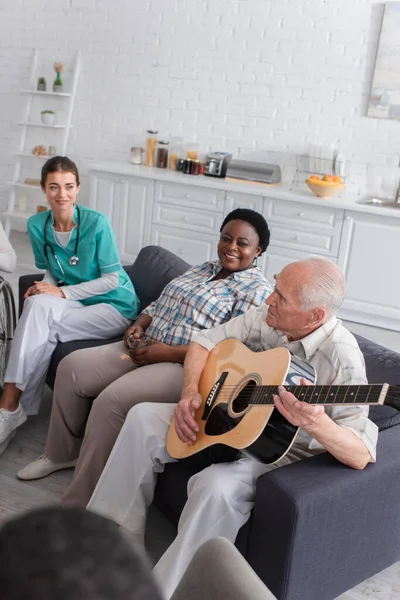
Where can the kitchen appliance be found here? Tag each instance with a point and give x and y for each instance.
(216, 164)
(254, 172)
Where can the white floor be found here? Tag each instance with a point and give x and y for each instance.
(17, 496)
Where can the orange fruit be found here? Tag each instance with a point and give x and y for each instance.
(327, 178)
(314, 177)
(337, 179)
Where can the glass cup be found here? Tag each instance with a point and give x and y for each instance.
(137, 343)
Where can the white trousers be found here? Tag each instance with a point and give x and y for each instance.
(45, 321)
(220, 497)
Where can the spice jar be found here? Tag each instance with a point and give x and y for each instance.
(162, 155)
(195, 167)
(136, 155)
(151, 145)
(187, 166)
(180, 163)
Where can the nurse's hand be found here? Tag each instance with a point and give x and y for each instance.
(44, 287)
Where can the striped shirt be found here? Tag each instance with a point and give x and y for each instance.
(193, 302)
(333, 352)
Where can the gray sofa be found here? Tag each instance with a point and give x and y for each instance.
(318, 528)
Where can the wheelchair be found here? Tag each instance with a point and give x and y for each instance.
(8, 321)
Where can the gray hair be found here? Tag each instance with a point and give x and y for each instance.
(326, 288)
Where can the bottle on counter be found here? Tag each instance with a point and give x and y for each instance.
(162, 155)
(151, 145)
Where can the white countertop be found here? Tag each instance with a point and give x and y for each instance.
(346, 201)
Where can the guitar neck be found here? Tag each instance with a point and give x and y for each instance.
(330, 394)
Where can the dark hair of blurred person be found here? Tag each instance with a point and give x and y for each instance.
(70, 554)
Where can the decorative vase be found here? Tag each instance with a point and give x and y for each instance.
(57, 85)
(48, 118)
(41, 86)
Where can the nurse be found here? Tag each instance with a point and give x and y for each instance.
(85, 293)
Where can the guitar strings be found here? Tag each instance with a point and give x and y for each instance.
(341, 396)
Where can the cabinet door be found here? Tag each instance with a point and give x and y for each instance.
(134, 216)
(235, 200)
(369, 255)
(277, 258)
(127, 201)
(194, 248)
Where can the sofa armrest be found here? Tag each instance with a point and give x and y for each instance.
(318, 527)
(24, 282)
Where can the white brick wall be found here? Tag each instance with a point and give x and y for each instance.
(242, 75)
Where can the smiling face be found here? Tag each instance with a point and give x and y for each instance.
(285, 312)
(238, 246)
(61, 190)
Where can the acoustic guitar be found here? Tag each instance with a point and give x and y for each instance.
(237, 388)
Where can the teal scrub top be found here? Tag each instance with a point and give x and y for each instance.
(97, 253)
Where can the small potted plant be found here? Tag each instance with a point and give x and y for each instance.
(48, 117)
(41, 86)
(57, 85)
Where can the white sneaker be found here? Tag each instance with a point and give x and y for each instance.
(43, 466)
(10, 420)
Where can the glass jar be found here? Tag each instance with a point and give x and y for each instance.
(195, 167)
(180, 163)
(151, 145)
(162, 155)
(192, 151)
(137, 155)
(176, 151)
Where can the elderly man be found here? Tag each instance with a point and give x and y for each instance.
(300, 316)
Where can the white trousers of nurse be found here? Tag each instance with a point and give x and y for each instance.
(45, 321)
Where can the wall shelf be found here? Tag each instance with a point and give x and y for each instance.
(32, 124)
(30, 155)
(36, 92)
(19, 198)
(23, 185)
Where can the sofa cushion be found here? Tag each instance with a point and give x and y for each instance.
(383, 364)
(384, 416)
(153, 268)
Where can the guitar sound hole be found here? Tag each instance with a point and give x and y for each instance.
(242, 400)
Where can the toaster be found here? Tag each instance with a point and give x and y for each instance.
(216, 164)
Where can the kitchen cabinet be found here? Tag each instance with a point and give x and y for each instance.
(369, 256)
(127, 201)
(184, 214)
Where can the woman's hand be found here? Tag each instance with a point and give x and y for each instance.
(136, 330)
(155, 352)
(31, 291)
(44, 287)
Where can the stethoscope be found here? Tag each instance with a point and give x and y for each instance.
(74, 260)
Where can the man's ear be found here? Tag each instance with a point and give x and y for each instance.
(319, 316)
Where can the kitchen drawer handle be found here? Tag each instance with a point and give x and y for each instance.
(185, 219)
(187, 196)
(296, 238)
(181, 252)
(300, 214)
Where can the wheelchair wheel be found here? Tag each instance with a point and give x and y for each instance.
(7, 325)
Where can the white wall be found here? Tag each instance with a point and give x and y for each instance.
(242, 75)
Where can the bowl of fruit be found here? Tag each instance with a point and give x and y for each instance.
(326, 186)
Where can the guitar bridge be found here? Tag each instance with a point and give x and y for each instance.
(213, 395)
